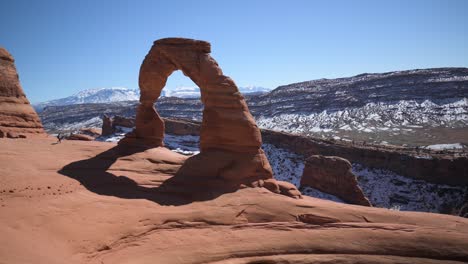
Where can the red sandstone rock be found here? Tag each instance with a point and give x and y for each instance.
(80, 137)
(230, 141)
(333, 175)
(123, 121)
(181, 127)
(107, 128)
(93, 132)
(17, 117)
(110, 124)
(88, 203)
(14, 135)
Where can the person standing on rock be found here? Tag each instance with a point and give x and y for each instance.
(59, 138)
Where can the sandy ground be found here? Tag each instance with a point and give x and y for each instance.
(91, 202)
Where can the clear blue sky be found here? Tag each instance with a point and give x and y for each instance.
(62, 47)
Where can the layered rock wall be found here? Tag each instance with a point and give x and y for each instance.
(17, 117)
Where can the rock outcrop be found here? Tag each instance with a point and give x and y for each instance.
(181, 127)
(333, 175)
(83, 137)
(17, 117)
(230, 141)
(93, 132)
(107, 128)
(111, 124)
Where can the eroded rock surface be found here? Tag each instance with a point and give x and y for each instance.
(17, 117)
(230, 141)
(333, 175)
(87, 202)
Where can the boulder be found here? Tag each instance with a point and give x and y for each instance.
(93, 132)
(333, 175)
(107, 128)
(181, 127)
(110, 124)
(123, 121)
(17, 116)
(80, 137)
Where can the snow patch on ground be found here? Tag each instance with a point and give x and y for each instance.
(309, 191)
(387, 189)
(187, 145)
(95, 122)
(287, 166)
(445, 146)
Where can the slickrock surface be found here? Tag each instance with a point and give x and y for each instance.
(333, 175)
(230, 141)
(94, 202)
(17, 117)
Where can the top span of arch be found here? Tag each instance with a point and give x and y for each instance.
(185, 43)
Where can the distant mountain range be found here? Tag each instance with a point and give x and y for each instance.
(93, 96)
(194, 92)
(120, 94)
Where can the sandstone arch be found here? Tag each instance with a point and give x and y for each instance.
(230, 141)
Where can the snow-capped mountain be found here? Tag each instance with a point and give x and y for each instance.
(119, 94)
(93, 96)
(194, 91)
(183, 92)
(251, 89)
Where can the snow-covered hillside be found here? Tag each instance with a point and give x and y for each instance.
(374, 117)
(92, 96)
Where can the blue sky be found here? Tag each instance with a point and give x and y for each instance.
(62, 47)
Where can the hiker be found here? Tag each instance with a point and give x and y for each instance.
(59, 137)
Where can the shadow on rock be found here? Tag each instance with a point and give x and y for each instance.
(180, 189)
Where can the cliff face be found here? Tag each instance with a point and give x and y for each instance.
(17, 117)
